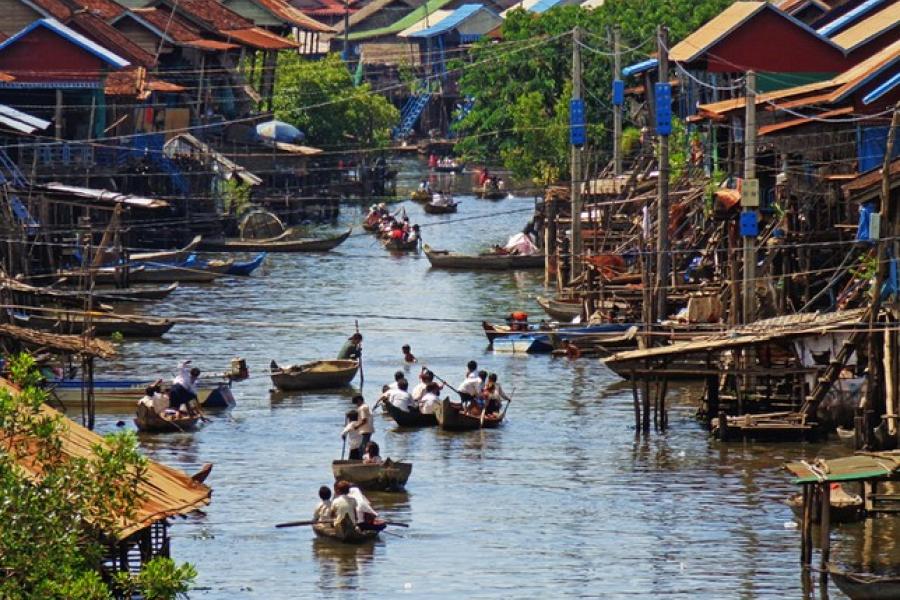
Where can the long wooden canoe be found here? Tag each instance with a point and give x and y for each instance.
(559, 310)
(133, 294)
(400, 245)
(344, 532)
(145, 274)
(488, 193)
(123, 394)
(321, 374)
(286, 242)
(174, 256)
(390, 476)
(451, 417)
(409, 419)
(441, 209)
(102, 324)
(149, 422)
(444, 259)
(865, 586)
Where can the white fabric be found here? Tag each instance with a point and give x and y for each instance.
(354, 439)
(323, 511)
(471, 385)
(419, 391)
(344, 507)
(362, 504)
(157, 402)
(400, 399)
(521, 243)
(428, 404)
(184, 377)
(365, 413)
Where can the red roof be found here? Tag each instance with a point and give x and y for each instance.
(55, 8)
(106, 9)
(259, 39)
(324, 7)
(178, 31)
(111, 38)
(291, 16)
(209, 14)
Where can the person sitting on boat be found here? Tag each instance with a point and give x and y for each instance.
(154, 399)
(184, 388)
(426, 378)
(441, 198)
(323, 509)
(495, 395)
(501, 185)
(572, 351)
(398, 377)
(373, 454)
(430, 399)
(413, 234)
(471, 385)
(407, 354)
(517, 321)
(364, 425)
(396, 232)
(400, 397)
(343, 506)
(425, 186)
(352, 348)
(351, 434)
(366, 517)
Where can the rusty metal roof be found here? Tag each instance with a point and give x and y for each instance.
(166, 491)
(291, 16)
(177, 30)
(259, 38)
(791, 123)
(870, 28)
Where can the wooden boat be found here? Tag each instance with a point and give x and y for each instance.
(245, 269)
(148, 421)
(845, 508)
(409, 419)
(286, 242)
(450, 416)
(102, 324)
(173, 256)
(152, 274)
(865, 586)
(441, 209)
(123, 394)
(444, 259)
(344, 532)
(596, 343)
(133, 294)
(401, 245)
(521, 343)
(490, 193)
(390, 476)
(321, 374)
(420, 196)
(560, 310)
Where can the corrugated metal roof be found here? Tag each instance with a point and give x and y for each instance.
(882, 89)
(637, 68)
(714, 30)
(110, 37)
(259, 38)
(424, 24)
(26, 120)
(446, 24)
(849, 17)
(790, 124)
(871, 465)
(104, 196)
(545, 5)
(414, 17)
(164, 491)
(877, 24)
(72, 36)
(291, 16)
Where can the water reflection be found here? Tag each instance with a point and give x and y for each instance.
(340, 565)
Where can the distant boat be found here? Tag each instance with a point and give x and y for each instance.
(149, 422)
(400, 245)
(123, 394)
(560, 310)
(317, 375)
(286, 242)
(420, 195)
(441, 207)
(444, 259)
(103, 325)
(345, 532)
(388, 476)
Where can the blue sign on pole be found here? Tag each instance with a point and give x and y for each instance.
(749, 224)
(577, 133)
(618, 92)
(663, 108)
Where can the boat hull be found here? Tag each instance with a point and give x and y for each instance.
(443, 259)
(450, 417)
(282, 243)
(561, 311)
(410, 419)
(390, 476)
(113, 395)
(102, 326)
(147, 421)
(865, 587)
(440, 209)
(344, 532)
(318, 375)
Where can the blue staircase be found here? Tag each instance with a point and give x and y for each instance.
(10, 171)
(411, 112)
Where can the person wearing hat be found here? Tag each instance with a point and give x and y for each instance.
(352, 348)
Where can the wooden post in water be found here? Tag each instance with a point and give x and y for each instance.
(662, 196)
(645, 421)
(637, 403)
(825, 525)
(617, 108)
(712, 399)
(806, 527)
(663, 415)
(749, 281)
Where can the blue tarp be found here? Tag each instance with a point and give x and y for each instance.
(449, 22)
(647, 65)
(865, 214)
(891, 285)
(871, 144)
(21, 213)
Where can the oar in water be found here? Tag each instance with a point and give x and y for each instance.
(313, 522)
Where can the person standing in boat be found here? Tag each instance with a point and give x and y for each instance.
(364, 423)
(470, 388)
(323, 510)
(184, 388)
(494, 395)
(352, 348)
(343, 506)
(351, 434)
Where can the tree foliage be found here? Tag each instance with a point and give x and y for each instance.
(319, 98)
(50, 528)
(523, 84)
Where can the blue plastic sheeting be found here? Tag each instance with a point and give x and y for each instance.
(882, 89)
(635, 69)
(544, 6)
(871, 143)
(849, 18)
(892, 285)
(72, 36)
(449, 22)
(865, 217)
(21, 213)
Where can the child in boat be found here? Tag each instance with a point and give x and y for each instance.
(154, 399)
(407, 354)
(430, 399)
(413, 234)
(343, 506)
(495, 396)
(352, 435)
(323, 510)
(372, 455)
(366, 517)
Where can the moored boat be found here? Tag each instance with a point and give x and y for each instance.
(147, 421)
(444, 259)
(102, 324)
(845, 508)
(396, 245)
(320, 374)
(433, 208)
(133, 294)
(152, 274)
(409, 418)
(123, 394)
(246, 268)
(173, 256)
(286, 242)
(388, 476)
(450, 416)
(345, 532)
(560, 310)
(865, 586)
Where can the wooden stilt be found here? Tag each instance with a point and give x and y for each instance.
(825, 524)
(637, 404)
(645, 421)
(663, 414)
(712, 399)
(806, 528)
(656, 405)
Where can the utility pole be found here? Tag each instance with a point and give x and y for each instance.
(577, 246)
(750, 191)
(347, 31)
(617, 107)
(662, 196)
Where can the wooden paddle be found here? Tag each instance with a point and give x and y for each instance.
(442, 380)
(313, 522)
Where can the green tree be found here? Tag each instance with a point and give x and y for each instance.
(319, 98)
(520, 85)
(51, 526)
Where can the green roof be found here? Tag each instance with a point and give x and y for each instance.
(407, 21)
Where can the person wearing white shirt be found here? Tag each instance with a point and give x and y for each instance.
(352, 435)
(471, 386)
(430, 399)
(154, 399)
(398, 376)
(343, 506)
(323, 510)
(400, 397)
(364, 425)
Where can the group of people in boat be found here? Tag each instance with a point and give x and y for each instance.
(481, 392)
(444, 162)
(181, 399)
(357, 433)
(392, 226)
(423, 398)
(488, 182)
(348, 502)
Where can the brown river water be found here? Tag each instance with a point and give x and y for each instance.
(562, 501)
